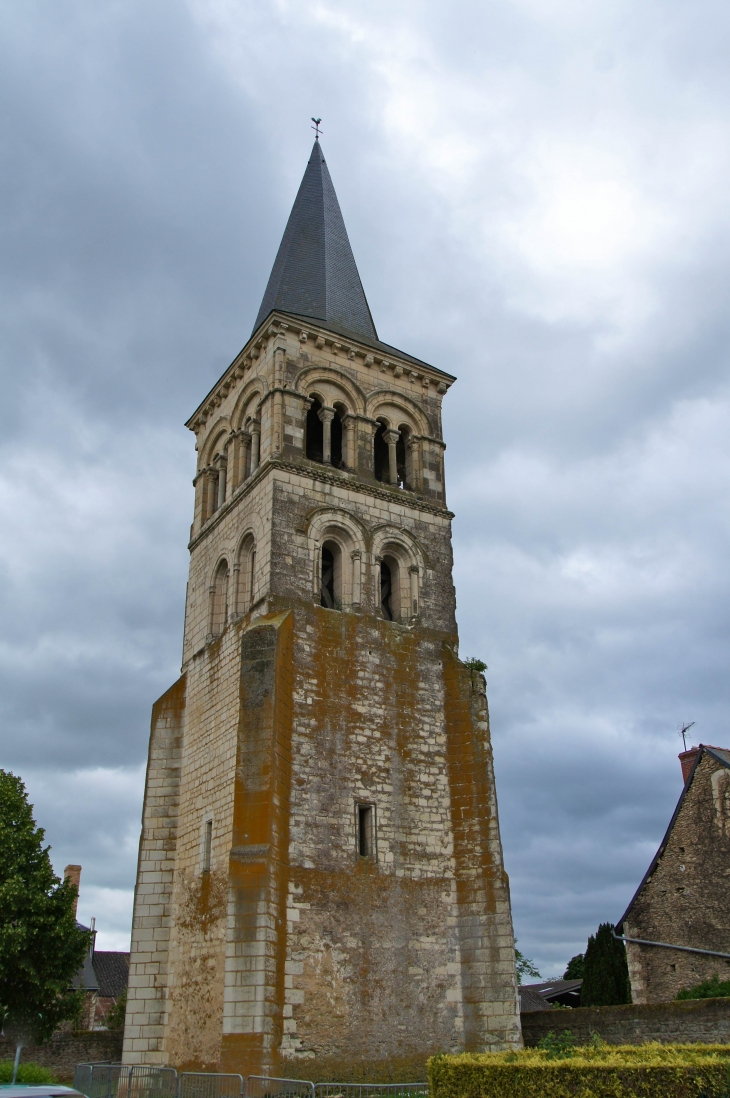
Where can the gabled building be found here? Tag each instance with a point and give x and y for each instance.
(677, 926)
(104, 973)
(320, 884)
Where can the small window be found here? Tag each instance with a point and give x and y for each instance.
(207, 845)
(365, 830)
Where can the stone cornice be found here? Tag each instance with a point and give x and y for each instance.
(349, 348)
(317, 473)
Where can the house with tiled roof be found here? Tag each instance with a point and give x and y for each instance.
(677, 926)
(104, 974)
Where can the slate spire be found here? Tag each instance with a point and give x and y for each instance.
(314, 273)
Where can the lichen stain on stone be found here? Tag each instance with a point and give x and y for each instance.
(196, 1004)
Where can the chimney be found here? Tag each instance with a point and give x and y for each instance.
(687, 759)
(72, 873)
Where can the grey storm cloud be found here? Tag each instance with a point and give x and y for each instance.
(536, 194)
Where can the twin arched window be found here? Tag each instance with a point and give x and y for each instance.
(233, 594)
(396, 582)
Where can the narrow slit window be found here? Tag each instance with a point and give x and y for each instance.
(365, 837)
(386, 591)
(207, 845)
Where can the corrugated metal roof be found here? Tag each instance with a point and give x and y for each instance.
(314, 273)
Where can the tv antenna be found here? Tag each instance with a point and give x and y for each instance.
(683, 728)
(315, 127)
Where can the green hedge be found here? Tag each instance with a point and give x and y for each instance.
(28, 1074)
(600, 1071)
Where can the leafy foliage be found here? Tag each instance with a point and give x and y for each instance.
(576, 967)
(714, 988)
(41, 948)
(561, 1047)
(28, 1074)
(597, 1070)
(115, 1015)
(474, 664)
(524, 966)
(606, 973)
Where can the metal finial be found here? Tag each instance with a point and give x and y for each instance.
(315, 127)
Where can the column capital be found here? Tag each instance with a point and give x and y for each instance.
(391, 436)
(326, 414)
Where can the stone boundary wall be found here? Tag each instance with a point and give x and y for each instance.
(690, 1021)
(65, 1050)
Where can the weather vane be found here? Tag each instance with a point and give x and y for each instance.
(315, 127)
(683, 728)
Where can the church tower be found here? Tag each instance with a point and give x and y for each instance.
(320, 890)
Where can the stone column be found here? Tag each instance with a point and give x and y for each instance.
(391, 437)
(199, 514)
(235, 593)
(209, 493)
(356, 556)
(350, 424)
(222, 474)
(413, 610)
(326, 415)
(244, 460)
(414, 473)
(255, 444)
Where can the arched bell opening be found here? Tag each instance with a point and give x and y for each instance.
(402, 457)
(314, 431)
(390, 589)
(381, 457)
(337, 455)
(331, 576)
(219, 600)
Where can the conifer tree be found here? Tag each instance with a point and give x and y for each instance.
(41, 948)
(606, 973)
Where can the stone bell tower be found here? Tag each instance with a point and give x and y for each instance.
(320, 889)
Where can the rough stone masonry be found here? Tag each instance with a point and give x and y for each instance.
(320, 889)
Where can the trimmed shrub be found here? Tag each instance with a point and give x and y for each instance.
(28, 1074)
(594, 1071)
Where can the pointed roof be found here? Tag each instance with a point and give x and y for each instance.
(314, 273)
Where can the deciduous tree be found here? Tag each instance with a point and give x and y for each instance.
(41, 947)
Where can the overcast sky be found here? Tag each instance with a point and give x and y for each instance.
(536, 192)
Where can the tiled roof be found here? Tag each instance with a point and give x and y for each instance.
(532, 1000)
(314, 273)
(112, 972)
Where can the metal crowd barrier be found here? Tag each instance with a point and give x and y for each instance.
(206, 1084)
(264, 1086)
(371, 1090)
(125, 1081)
(105, 1080)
